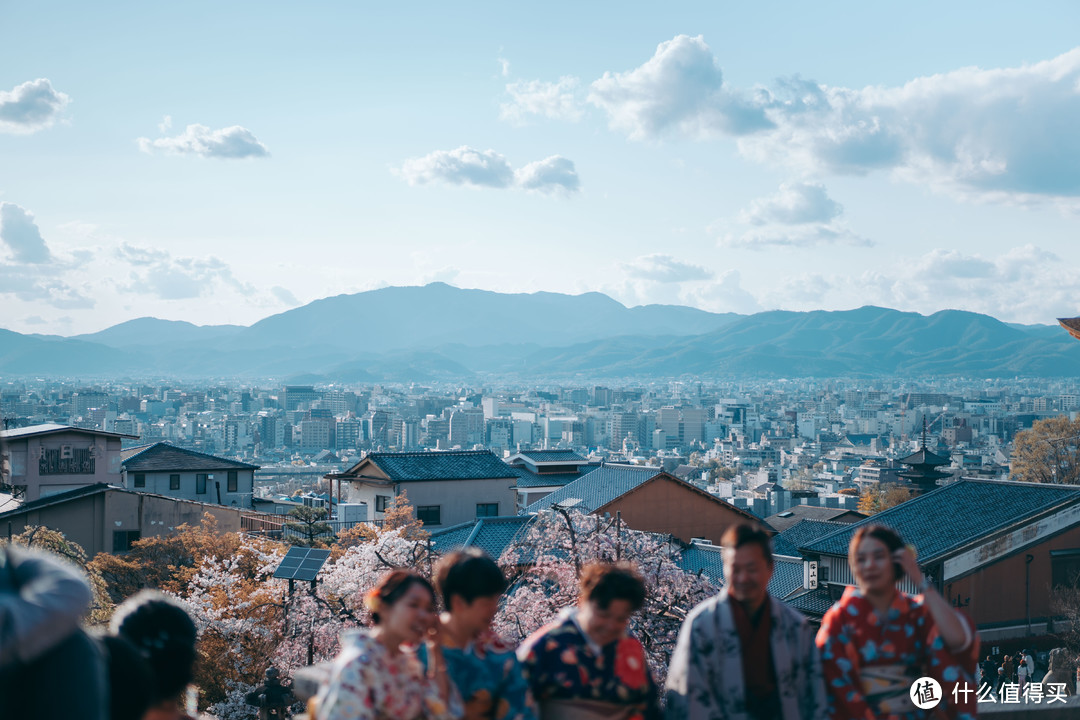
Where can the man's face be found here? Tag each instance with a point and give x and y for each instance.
(747, 573)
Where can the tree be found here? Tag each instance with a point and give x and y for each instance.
(547, 562)
(308, 523)
(1049, 452)
(882, 497)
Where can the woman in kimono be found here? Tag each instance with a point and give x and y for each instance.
(377, 675)
(484, 669)
(877, 641)
(584, 666)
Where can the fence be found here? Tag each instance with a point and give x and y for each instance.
(276, 527)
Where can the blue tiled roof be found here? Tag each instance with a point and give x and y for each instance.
(598, 488)
(162, 457)
(492, 535)
(803, 533)
(708, 560)
(453, 465)
(953, 516)
(780, 546)
(545, 456)
(528, 479)
(814, 603)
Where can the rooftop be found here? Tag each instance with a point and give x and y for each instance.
(492, 535)
(163, 457)
(945, 520)
(451, 465)
(537, 457)
(782, 521)
(597, 488)
(52, 428)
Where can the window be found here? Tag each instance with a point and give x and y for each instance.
(823, 572)
(429, 514)
(382, 502)
(122, 539)
(232, 481)
(487, 510)
(1065, 568)
(200, 484)
(174, 482)
(140, 480)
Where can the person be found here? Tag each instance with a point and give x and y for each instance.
(165, 636)
(876, 641)
(42, 601)
(989, 672)
(484, 669)
(584, 665)
(132, 685)
(377, 675)
(742, 653)
(1021, 672)
(1030, 660)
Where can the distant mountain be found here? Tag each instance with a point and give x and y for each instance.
(438, 332)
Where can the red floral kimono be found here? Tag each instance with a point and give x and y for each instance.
(870, 663)
(562, 664)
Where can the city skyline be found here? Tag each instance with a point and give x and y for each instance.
(733, 159)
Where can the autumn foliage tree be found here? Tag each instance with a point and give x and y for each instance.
(1049, 452)
(876, 499)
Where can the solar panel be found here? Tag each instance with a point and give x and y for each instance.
(301, 563)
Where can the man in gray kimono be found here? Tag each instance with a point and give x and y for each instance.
(744, 655)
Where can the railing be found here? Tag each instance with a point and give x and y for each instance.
(277, 527)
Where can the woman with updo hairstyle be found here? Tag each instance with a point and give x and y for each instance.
(878, 643)
(585, 664)
(377, 675)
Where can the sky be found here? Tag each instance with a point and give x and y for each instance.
(223, 162)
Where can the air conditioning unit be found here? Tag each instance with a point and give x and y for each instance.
(66, 452)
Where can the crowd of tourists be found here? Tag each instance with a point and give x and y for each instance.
(741, 655)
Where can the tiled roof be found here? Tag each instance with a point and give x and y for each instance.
(597, 488)
(814, 603)
(552, 456)
(452, 465)
(528, 479)
(923, 456)
(60, 498)
(782, 521)
(51, 428)
(780, 546)
(708, 560)
(162, 457)
(492, 535)
(956, 515)
(805, 532)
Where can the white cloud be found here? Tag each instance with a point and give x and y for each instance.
(665, 269)
(553, 100)
(800, 214)
(21, 234)
(158, 273)
(487, 168)
(165, 125)
(555, 174)
(446, 275)
(227, 143)
(680, 89)
(794, 203)
(504, 67)
(30, 107)
(284, 296)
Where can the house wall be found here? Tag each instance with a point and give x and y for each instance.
(458, 498)
(91, 521)
(158, 483)
(25, 462)
(664, 505)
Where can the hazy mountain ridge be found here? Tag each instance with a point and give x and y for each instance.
(440, 332)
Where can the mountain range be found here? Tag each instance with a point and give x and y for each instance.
(400, 334)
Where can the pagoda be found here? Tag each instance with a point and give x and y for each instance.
(923, 473)
(1072, 325)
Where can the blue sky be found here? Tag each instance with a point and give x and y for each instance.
(221, 162)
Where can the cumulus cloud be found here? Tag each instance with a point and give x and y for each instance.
(21, 234)
(30, 107)
(797, 202)
(159, 273)
(550, 175)
(680, 89)
(665, 269)
(227, 143)
(553, 100)
(487, 168)
(800, 214)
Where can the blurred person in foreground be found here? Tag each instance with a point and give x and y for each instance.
(877, 641)
(484, 669)
(743, 654)
(377, 675)
(164, 636)
(584, 665)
